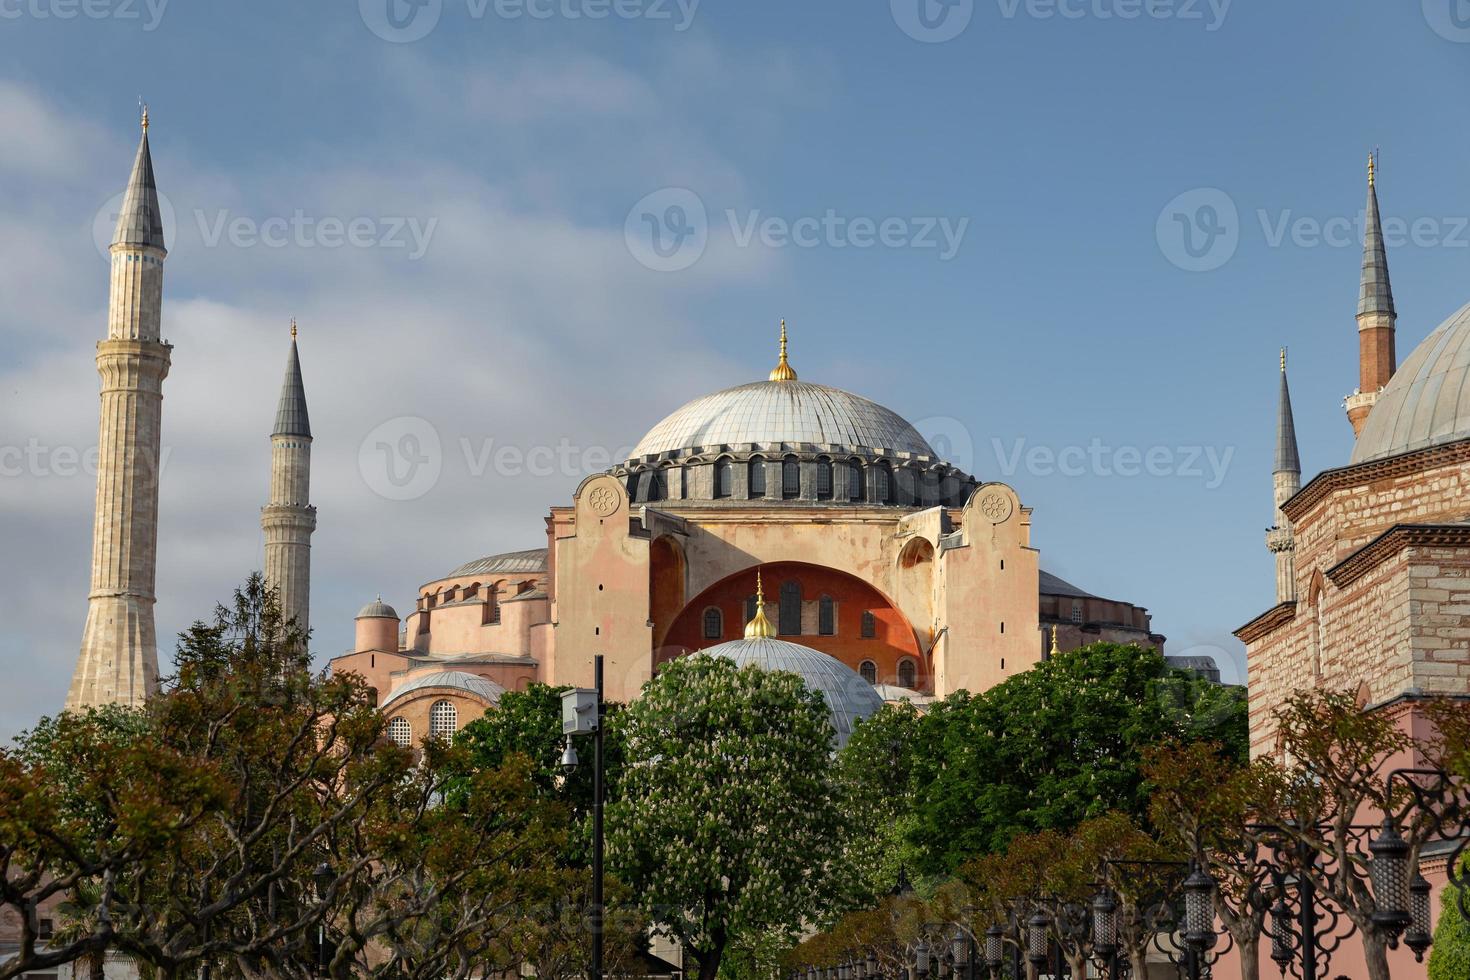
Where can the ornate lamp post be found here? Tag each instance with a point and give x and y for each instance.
(576, 705)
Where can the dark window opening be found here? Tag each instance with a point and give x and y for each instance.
(722, 479)
(757, 478)
(824, 480)
(714, 624)
(908, 675)
(870, 625)
(790, 613)
(827, 617)
(790, 478)
(869, 670)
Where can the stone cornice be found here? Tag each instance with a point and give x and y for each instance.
(1405, 464)
(1391, 542)
(1267, 621)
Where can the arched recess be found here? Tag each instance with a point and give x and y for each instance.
(666, 586)
(1319, 627)
(851, 597)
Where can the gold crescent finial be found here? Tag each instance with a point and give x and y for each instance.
(759, 627)
(783, 371)
(1283, 360)
(145, 116)
(1372, 166)
(293, 328)
(1055, 649)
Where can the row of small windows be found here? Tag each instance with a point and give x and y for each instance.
(443, 722)
(791, 479)
(788, 615)
(908, 673)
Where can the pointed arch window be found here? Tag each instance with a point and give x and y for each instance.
(908, 674)
(723, 473)
(714, 624)
(790, 478)
(757, 477)
(790, 612)
(827, 616)
(869, 670)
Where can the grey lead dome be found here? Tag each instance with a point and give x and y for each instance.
(773, 412)
(1427, 402)
(849, 698)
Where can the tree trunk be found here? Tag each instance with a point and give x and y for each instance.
(1138, 963)
(1250, 957)
(97, 965)
(1076, 964)
(1375, 955)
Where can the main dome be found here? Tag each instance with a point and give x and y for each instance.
(775, 412)
(1427, 401)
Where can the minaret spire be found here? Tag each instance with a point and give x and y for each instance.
(289, 519)
(1286, 479)
(783, 371)
(118, 662)
(1376, 313)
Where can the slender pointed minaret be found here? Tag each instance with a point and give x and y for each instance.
(119, 656)
(289, 518)
(1286, 477)
(1376, 316)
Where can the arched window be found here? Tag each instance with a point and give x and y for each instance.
(827, 616)
(790, 614)
(870, 624)
(869, 670)
(449, 594)
(400, 731)
(854, 479)
(790, 478)
(714, 624)
(722, 479)
(882, 484)
(908, 674)
(443, 720)
(824, 479)
(757, 477)
(470, 591)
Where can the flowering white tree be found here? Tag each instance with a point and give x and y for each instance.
(727, 824)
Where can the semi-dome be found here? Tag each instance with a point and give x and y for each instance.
(1427, 401)
(377, 609)
(458, 680)
(849, 698)
(775, 412)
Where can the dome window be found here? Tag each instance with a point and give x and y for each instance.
(757, 477)
(824, 479)
(854, 479)
(790, 478)
(723, 476)
(882, 484)
(443, 720)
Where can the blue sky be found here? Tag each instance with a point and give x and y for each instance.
(497, 172)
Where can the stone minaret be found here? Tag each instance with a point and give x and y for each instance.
(1286, 478)
(1376, 316)
(289, 518)
(119, 658)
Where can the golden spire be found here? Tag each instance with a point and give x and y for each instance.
(293, 328)
(1283, 360)
(783, 371)
(145, 117)
(1055, 650)
(759, 627)
(1372, 165)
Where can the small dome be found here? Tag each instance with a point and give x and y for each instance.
(510, 563)
(1427, 401)
(773, 412)
(471, 684)
(849, 697)
(377, 609)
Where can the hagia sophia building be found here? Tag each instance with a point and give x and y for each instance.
(888, 572)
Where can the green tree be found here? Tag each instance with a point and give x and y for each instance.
(1053, 746)
(728, 825)
(1449, 957)
(873, 775)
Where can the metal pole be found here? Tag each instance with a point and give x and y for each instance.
(597, 801)
(1308, 917)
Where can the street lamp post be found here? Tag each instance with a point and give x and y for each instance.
(576, 705)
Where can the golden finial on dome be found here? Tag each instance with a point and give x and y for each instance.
(293, 328)
(1283, 360)
(783, 371)
(1372, 166)
(759, 627)
(144, 107)
(1055, 649)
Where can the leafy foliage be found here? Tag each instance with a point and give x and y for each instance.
(874, 775)
(728, 826)
(1449, 957)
